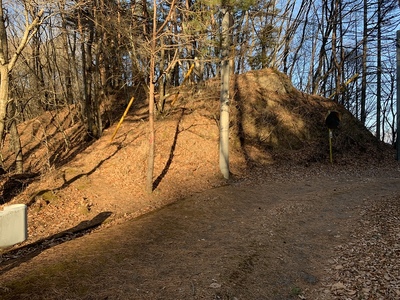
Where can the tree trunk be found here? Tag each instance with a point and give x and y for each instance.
(162, 83)
(224, 101)
(334, 57)
(320, 75)
(16, 144)
(68, 77)
(379, 74)
(4, 86)
(364, 64)
(4, 79)
(6, 65)
(150, 158)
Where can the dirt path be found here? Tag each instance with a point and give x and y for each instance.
(270, 241)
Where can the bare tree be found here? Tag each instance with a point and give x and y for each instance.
(156, 30)
(6, 66)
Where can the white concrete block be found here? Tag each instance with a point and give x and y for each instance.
(13, 225)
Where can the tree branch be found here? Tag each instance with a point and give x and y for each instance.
(29, 31)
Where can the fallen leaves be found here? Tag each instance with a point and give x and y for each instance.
(368, 267)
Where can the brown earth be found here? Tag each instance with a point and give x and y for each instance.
(288, 225)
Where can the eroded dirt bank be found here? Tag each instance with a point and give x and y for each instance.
(280, 239)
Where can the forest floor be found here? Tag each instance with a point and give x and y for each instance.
(320, 234)
(287, 225)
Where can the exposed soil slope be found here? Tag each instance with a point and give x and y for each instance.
(271, 123)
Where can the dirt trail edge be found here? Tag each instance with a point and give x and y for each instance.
(270, 241)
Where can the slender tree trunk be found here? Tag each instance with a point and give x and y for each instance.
(342, 69)
(150, 158)
(99, 69)
(224, 101)
(379, 74)
(68, 71)
(15, 139)
(357, 66)
(321, 74)
(161, 87)
(4, 76)
(4, 86)
(334, 56)
(364, 64)
(84, 100)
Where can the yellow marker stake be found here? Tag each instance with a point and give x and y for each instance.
(330, 146)
(184, 79)
(122, 118)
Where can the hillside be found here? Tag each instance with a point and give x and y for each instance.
(287, 225)
(273, 127)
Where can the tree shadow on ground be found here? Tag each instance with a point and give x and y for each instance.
(16, 257)
(171, 153)
(11, 186)
(15, 184)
